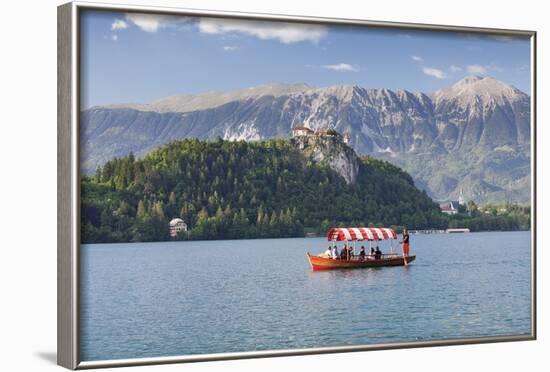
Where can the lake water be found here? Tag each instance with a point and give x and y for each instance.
(182, 298)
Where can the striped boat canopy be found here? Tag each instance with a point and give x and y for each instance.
(360, 233)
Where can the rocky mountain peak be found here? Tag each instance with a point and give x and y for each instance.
(477, 89)
(190, 102)
(344, 93)
(472, 79)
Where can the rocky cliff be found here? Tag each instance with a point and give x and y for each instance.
(332, 152)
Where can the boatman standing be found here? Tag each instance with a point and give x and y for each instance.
(405, 242)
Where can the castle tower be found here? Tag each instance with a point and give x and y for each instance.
(460, 198)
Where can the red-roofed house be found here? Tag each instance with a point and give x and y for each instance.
(449, 207)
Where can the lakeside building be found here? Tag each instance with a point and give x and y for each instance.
(176, 226)
(460, 230)
(452, 207)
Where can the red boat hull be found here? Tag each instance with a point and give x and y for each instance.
(322, 263)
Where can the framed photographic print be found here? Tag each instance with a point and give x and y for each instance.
(236, 185)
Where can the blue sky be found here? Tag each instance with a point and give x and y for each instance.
(139, 58)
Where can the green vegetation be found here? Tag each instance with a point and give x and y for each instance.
(227, 190)
(492, 217)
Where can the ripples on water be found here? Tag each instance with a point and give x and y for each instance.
(181, 298)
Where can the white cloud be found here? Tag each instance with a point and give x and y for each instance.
(119, 24)
(483, 69)
(476, 69)
(114, 37)
(455, 68)
(417, 58)
(342, 67)
(434, 72)
(284, 32)
(154, 22)
(230, 48)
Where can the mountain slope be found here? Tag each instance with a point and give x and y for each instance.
(474, 135)
(185, 103)
(484, 112)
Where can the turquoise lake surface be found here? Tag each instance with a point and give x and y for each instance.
(183, 298)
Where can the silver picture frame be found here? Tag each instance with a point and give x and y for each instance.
(68, 189)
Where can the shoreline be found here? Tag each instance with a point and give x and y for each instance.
(283, 238)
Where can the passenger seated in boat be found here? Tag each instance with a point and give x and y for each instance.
(328, 252)
(362, 253)
(349, 252)
(335, 253)
(344, 253)
(371, 252)
(377, 254)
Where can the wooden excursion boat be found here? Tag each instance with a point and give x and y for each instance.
(354, 234)
(324, 263)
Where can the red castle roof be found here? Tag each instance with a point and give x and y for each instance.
(302, 128)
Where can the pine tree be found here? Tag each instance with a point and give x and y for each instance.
(202, 216)
(260, 216)
(172, 199)
(142, 211)
(98, 175)
(158, 210)
(273, 221)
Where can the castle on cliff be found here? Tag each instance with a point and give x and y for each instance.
(304, 131)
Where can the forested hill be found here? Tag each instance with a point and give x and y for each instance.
(231, 190)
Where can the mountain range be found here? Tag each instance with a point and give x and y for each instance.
(472, 137)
